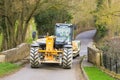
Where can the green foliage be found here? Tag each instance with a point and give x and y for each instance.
(31, 28)
(46, 19)
(101, 20)
(99, 4)
(6, 68)
(107, 15)
(81, 14)
(29, 40)
(101, 31)
(104, 48)
(96, 74)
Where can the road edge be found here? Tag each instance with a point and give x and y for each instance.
(81, 67)
(22, 62)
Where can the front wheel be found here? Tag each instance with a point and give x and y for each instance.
(67, 58)
(34, 57)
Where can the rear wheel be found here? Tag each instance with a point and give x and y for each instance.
(67, 58)
(75, 55)
(34, 57)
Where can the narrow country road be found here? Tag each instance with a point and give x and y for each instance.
(86, 38)
(55, 72)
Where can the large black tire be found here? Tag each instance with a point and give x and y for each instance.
(34, 57)
(67, 58)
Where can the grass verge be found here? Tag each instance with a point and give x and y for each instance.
(8, 68)
(95, 74)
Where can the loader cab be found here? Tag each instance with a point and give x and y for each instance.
(64, 33)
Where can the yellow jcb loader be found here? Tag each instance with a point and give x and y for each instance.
(55, 49)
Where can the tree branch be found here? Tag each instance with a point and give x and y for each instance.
(116, 11)
(7, 18)
(32, 12)
(1, 3)
(29, 17)
(116, 15)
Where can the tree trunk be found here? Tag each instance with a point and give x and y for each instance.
(13, 34)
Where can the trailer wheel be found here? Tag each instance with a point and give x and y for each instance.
(34, 57)
(67, 58)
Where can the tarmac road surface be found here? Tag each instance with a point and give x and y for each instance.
(54, 71)
(86, 39)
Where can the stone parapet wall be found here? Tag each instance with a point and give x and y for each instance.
(15, 54)
(94, 55)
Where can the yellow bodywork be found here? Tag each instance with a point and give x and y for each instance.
(50, 52)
